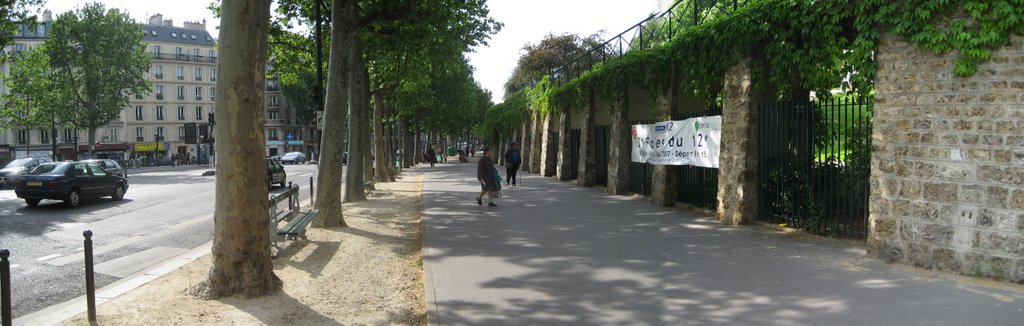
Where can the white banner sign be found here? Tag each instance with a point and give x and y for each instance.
(694, 141)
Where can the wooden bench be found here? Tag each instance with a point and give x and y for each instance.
(297, 220)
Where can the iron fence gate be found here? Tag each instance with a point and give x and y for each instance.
(814, 165)
(574, 154)
(601, 140)
(640, 174)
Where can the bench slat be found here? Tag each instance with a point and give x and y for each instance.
(298, 224)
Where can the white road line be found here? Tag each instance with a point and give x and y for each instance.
(71, 258)
(48, 257)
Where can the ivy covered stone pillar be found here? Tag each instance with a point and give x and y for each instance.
(535, 145)
(663, 178)
(548, 154)
(737, 163)
(618, 145)
(524, 146)
(564, 138)
(588, 161)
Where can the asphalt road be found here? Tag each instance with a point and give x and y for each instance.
(165, 212)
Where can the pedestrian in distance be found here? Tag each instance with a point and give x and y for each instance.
(472, 151)
(431, 156)
(489, 181)
(513, 159)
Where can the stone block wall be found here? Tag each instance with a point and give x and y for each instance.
(947, 170)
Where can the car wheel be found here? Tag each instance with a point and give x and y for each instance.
(74, 198)
(118, 192)
(32, 202)
(270, 182)
(283, 182)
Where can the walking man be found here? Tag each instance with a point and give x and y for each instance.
(485, 174)
(512, 161)
(431, 156)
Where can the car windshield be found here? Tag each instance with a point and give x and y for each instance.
(18, 163)
(291, 154)
(49, 169)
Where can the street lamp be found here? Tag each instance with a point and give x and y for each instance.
(75, 138)
(198, 150)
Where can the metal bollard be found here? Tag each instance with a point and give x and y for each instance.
(5, 287)
(90, 284)
(311, 200)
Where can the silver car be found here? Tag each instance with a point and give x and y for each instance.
(10, 173)
(293, 158)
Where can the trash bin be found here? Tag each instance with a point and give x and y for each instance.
(451, 151)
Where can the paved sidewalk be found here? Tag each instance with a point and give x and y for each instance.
(554, 253)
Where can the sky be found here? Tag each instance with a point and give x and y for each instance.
(525, 21)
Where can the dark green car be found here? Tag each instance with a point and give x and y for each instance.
(275, 174)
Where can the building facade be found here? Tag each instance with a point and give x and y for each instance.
(155, 125)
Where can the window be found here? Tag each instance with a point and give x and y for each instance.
(196, 53)
(272, 115)
(199, 92)
(178, 54)
(22, 137)
(152, 32)
(213, 53)
(69, 135)
(181, 133)
(156, 48)
(213, 74)
(181, 113)
(213, 92)
(160, 132)
(113, 134)
(44, 136)
(199, 113)
(199, 74)
(192, 36)
(159, 90)
(158, 72)
(41, 30)
(159, 113)
(272, 101)
(138, 113)
(181, 73)
(272, 133)
(181, 92)
(138, 96)
(173, 34)
(208, 38)
(140, 133)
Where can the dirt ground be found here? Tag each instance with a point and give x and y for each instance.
(369, 273)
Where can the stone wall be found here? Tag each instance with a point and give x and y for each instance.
(947, 174)
(549, 145)
(737, 163)
(619, 142)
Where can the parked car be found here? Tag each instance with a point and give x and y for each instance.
(275, 174)
(111, 166)
(70, 182)
(293, 158)
(16, 168)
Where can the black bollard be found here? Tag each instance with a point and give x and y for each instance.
(291, 205)
(90, 284)
(311, 191)
(5, 287)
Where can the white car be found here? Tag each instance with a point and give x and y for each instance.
(293, 158)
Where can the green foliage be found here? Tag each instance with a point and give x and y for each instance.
(99, 60)
(12, 13)
(502, 119)
(28, 102)
(795, 46)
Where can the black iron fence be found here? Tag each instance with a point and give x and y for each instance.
(654, 31)
(574, 154)
(601, 142)
(814, 165)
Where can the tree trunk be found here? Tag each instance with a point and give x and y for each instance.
(381, 174)
(359, 92)
(332, 141)
(241, 245)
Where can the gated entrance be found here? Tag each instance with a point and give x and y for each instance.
(574, 154)
(601, 140)
(814, 165)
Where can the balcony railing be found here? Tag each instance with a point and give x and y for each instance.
(183, 57)
(159, 96)
(199, 97)
(181, 97)
(140, 138)
(158, 76)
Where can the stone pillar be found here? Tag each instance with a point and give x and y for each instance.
(564, 155)
(535, 144)
(663, 178)
(586, 171)
(737, 170)
(618, 145)
(524, 146)
(548, 155)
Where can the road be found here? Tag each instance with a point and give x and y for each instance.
(165, 212)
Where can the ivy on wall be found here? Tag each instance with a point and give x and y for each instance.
(795, 47)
